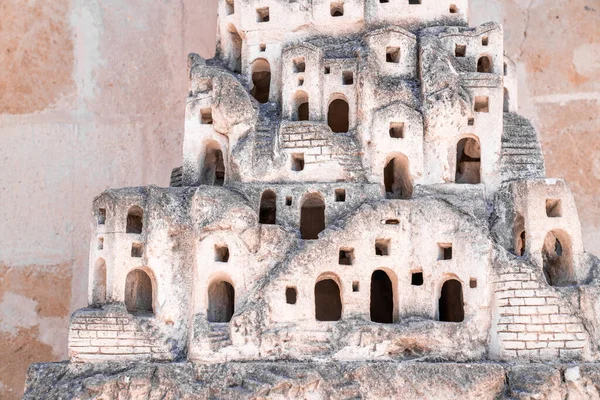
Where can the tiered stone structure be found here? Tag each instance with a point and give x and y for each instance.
(356, 186)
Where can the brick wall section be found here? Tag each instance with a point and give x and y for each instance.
(113, 336)
(535, 322)
(313, 141)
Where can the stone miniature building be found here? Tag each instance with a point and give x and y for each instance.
(356, 186)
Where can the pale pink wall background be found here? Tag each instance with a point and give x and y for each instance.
(92, 96)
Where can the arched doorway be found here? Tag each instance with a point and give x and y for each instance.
(328, 302)
(301, 107)
(451, 304)
(557, 259)
(221, 301)
(135, 218)
(261, 79)
(484, 64)
(397, 179)
(138, 292)
(338, 115)
(382, 298)
(99, 282)
(312, 217)
(268, 208)
(468, 161)
(213, 170)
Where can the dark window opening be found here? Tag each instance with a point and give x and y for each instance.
(453, 9)
(291, 295)
(101, 216)
(137, 249)
(336, 9)
(460, 50)
(382, 247)
(268, 208)
(397, 130)
(557, 259)
(263, 48)
(382, 298)
(444, 251)
(135, 216)
(392, 54)
(221, 301)
(355, 286)
(206, 116)
(297, 161)
(473, 283)
(384, 1)
(261, 80)
(484, 41)
(235, 61)
(414, 1)
(213, 172)
(416, 279)
(397, 180)
(312, 218)
(327, 70)
(100, 243)
(346, 256)
(392, 222)
(505, 69)
(262, 14)
(229, 7)
(328, 302)
(519, 235)
(471, 121)
(138, 293)
(300, 81)
(338, 116)
(288, 201)
(299, 64)
(347, 78)
(451, 306)
(468, 161)
(482, 104)
(484, 64)
(340, 195)
(553, 208)
(221, 253)
(506, 105)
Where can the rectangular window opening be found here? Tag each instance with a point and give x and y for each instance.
(472, 283)
(288, 201)
(340, 195)
(100, 243)
(297, 161)
(484, 41)
(299, 64)
(221, 253)
(382, 247)
(471, 121)
(416, 278)
(460, 50)
(327, 70)
(384, 1)
(397, 130)
(263, 47)
(300, 81)
(137, 249)
(355, 286)
(229, 7)
(392, 54)
(482, 104)
(347, 78)
(262, 14)
(346, 256)
(101, 216)
(392, 221)
(553, 208)
(444, 251)
(291, 295)
(453, 9)
(414, 1)
(206, 116)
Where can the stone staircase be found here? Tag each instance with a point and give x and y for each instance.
(313, 342)
(521, 154)
(348, 154)
(177, 177)
(266, 132)
(218, 336)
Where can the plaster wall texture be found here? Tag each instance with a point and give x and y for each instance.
(109, 112)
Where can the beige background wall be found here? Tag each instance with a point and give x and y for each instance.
(92, 96)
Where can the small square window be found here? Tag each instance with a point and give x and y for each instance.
(355, 286)
(288, 201)
(414, 1)
(460, 50)
(327, 70)
(382, 247)
(229, 7)
(297, 161)
(397, 130)
(137, 249)
(453, 9)
(221, 253)
(346, 256)
(553, 208)
(300, 81)
(336, 9)
(347, 78)
(101, 216)
(482, 104)
(392, 54)
(299, 64)
(471, 121)
(206, 116)
(263, 47)
(100, 243)
(262, 14)
(484, 41)
(416, 278)
(444, 251)
(291, 295)
(340, 195)
(472, 283)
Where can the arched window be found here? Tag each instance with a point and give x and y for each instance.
(519, 235)
(261, 79)
(135, 217)
(468, 161)
(484, 64)
(301, 108)
(506, 100)
(312, 217)
(338, 115)
(138, 292)
(99, 282)
(268, 208)
(213, 171)
(328, 302)
(382, 298)
(221, 301)
(397, 179)
(557, 259)
(451, 306)
(235, 59)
